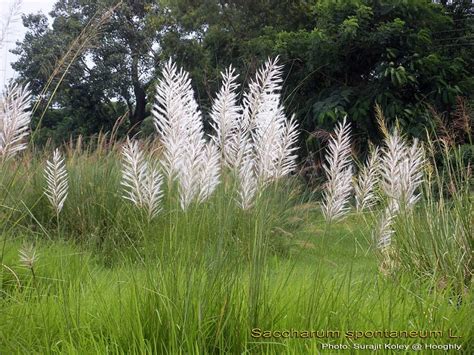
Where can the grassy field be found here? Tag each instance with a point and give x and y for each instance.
(195, 243)
(213, 279)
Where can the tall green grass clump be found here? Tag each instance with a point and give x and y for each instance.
(197, 243)
(437, 241)
(196, 226)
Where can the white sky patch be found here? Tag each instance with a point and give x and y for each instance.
(17, 32)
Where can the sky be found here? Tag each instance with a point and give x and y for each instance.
(17, 32)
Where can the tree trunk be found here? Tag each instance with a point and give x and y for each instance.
(138, 115)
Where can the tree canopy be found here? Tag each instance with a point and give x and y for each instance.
(341, 58)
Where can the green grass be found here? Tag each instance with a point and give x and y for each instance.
(77, 304)
(198, 282)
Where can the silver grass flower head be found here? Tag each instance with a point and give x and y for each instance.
(134, 172)
(14, 120)
(188, 178)
(189, 174)
(248, 183)
(194, 163)
(152, 192)
(261, 128)
(384, 229)
(338, 169)
(225, 116)
(263, 110)
(412, 172)
(239, 143)
(286, 148)
(401, 172)
(176, 117)
(240, 140)
(141, 182)
(27, 255)
(57, 181)
(267, 137)
(263, 92)
(367, 181)
(272, 134)
(393, 154)
(209, 171)
(12, 16)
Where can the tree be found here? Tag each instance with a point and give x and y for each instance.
(341, 57)
(112, 71)
(404, 55)
(207, 36)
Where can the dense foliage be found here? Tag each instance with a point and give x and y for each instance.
(341, 57)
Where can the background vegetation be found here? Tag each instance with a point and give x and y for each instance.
(341, 57)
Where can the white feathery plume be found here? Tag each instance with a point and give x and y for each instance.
(210, 171)
(266, 117)
(142, 184)
(57, 181)
(401, 175)
(152, 192)
(225, 116)
(338, 170)
(176, 117)
(273, 136)
(12, 16)
(384, 230)
(412, 174)
(401, 170)
(189, 174)
(260, 132)
(27, 255)
(286, 159)
(14, 120)
(239, 143)
(367, 180)
(263, 94)
(187, 156)
(134, 172)
(392, 157)
(266, 138)
(248, 182)
(199, 174)
(261, 97)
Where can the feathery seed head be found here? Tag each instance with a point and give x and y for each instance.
(210, 171)
(401, 169)
(189, 175)
(258, 131)
(57, 181)
(176, 117)
(141, 183)
(28, 256)
(225, 115)
(366, 182)
(187, 156)
(272, 135)
(338, 170)
(134, 172)
(248, 182)
(384, 229)
(401, 172)
(14, 120)
(152, 192)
